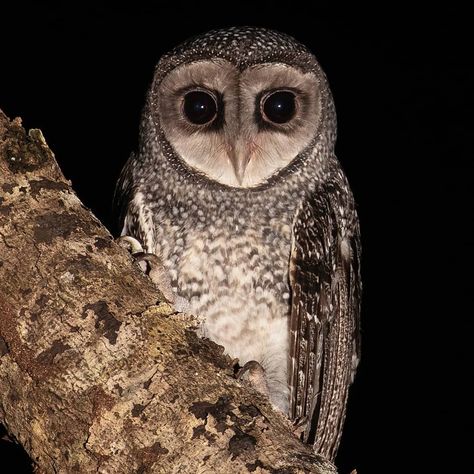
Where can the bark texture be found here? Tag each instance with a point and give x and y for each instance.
(98, 375)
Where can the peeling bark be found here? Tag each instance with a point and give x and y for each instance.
(96, 373)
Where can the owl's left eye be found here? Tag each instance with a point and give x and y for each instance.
(278, 106)
(199, 107)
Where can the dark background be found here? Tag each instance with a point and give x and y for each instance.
(403, 85)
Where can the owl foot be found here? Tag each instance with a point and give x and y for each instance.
(155, 269)
(299, 426)
(254, 373)
(160, 277)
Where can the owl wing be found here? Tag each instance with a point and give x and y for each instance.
(132, 213)
(124, 191)
(324, 321)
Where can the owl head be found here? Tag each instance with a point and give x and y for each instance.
(240, 106)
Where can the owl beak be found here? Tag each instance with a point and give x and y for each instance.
(240, 158)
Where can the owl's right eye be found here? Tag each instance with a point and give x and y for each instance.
(200, 107)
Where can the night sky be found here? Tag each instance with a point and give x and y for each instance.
(403, 87)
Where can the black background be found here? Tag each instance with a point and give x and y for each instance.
(403, 85)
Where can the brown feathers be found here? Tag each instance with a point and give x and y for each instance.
(324, 322)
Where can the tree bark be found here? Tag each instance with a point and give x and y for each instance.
(96, 372)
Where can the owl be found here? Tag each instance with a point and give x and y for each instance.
(237, 190)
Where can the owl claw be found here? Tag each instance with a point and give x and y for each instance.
(131, 244)
(254, 373)
(299, 426)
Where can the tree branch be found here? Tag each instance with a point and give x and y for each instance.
(96, 375)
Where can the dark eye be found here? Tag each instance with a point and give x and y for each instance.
(279, 106)
(199, 107)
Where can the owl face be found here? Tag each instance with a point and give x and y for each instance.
(238, 127)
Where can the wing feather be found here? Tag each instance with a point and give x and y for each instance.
(324, 322)
(124, 192)
(134, 216)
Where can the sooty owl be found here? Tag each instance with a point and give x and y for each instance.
(237, 190)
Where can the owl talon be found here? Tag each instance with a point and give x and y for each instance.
(131, 244)
(299, 426)
(254, 373)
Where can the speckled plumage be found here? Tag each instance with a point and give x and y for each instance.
(272, 268)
